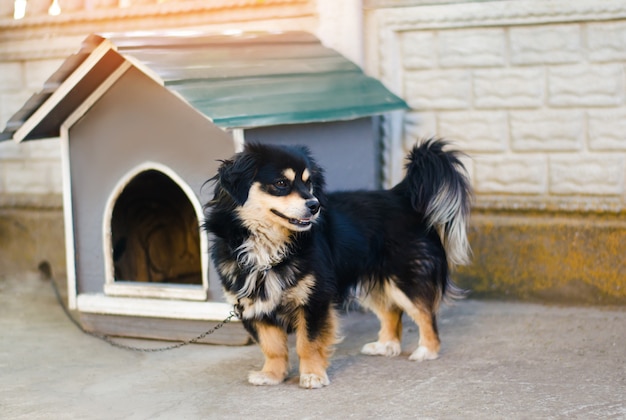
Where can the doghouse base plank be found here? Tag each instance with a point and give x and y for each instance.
(232, 333)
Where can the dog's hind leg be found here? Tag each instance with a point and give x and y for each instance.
(429, 344)
(390, 333)
(273, 343)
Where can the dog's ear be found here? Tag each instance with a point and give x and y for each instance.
(236, 176)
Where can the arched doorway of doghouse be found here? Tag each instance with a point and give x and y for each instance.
(153, 244)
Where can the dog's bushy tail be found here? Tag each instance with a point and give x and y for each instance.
(439, 189)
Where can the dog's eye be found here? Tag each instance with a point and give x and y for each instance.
(281, 184)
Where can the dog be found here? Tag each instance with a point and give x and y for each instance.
(289, 254)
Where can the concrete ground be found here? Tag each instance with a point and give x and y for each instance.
(498, 360)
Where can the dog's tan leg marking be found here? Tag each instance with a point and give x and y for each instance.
(429, 343)
(273, 343)
(314, 354)
(390, 333)
(390, 317)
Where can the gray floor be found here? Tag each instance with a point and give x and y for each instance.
(499, 360)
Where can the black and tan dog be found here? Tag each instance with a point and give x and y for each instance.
(288, 253)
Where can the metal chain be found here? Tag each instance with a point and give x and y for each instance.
(109, 340)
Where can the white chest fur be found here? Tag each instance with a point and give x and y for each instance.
(256, 258)
(288, 294)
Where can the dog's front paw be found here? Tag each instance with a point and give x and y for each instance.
(264, 378)
(377, 348)
(422, 353)
(313, 381)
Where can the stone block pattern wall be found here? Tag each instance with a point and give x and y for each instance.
(540, 108)
(31, 168)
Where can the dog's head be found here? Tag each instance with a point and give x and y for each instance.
(274, 185)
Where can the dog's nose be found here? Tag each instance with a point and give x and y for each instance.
(313, 205)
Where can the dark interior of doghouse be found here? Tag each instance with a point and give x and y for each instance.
(155, 233)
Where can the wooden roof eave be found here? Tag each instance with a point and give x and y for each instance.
(64, 99)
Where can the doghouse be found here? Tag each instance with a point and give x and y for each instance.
(144, 120)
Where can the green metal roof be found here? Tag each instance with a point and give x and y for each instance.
(260, 79)
(237, 80)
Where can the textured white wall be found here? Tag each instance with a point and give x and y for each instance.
(533, 90)
(341, 27)
(32, 167)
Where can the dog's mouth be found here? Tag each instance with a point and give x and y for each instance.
(304, 222)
